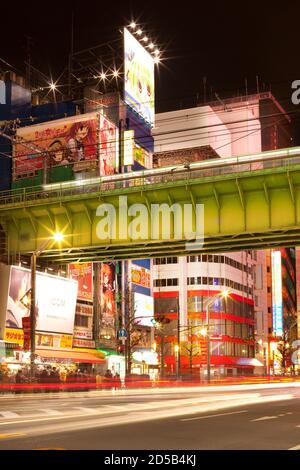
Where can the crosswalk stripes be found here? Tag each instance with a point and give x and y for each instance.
(9, 414)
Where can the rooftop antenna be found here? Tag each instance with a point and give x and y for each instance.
(222, 102)
(257, 84)
(204, 88)
(29, 44)
(71, 55)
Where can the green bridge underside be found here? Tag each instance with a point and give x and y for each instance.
(249, 210)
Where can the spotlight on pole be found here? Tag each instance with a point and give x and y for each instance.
(52, 86)
(58, 237)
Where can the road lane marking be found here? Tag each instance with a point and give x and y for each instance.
(12, 435)
(214, 416)
(51, 412)
(264, 418)
(9, 414)
(295, 447)
(86, 410)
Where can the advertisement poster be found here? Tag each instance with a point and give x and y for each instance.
(83, 274)
(65, 141)
(277, 304)
(139, 78)
(109, 149)
(55, 301)
(140, 276)
(108, 302)
(144, 309)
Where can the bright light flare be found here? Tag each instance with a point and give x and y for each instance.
(52, 86)
(103, 76)
(139, 32)
(176, 348)
(156, 60)
(203, 331)
(116, 73)
(58, 237)
(132, 25)
(225, 294)
(156, 52)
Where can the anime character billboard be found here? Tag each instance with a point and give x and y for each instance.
(108, 148)
(61, 142)
(83, 274)
(108, 300)
(139, 78)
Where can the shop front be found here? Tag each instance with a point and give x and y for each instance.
(145, 362)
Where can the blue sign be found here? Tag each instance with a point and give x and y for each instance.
(122, 333)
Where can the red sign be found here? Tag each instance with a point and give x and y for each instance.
(83, 273)
(26, 331)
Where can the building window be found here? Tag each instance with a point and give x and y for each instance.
(81, 320)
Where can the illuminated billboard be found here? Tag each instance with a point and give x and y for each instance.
(108, 301)
(108, 146)
(140, 276)
(66, 141)
(83, 274)
(55, 301)
(138, 78)
(78, 141)
(277, 308)
(144, 309)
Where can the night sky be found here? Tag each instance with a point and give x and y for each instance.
(225, 41)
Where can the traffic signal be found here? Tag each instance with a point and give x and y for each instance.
(160, 320)
(121, 349)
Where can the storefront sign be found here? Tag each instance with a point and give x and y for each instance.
(82, 333)
(83, 343)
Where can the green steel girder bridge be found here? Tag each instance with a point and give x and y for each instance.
(250, 202)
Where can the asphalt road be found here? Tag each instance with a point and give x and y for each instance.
(229, 417)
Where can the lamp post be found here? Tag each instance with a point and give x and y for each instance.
(57, 237)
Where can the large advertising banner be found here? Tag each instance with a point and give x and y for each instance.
(55, 301)
(108, 300)
(65, 141)
(139, 77)
(109, 149)
(83, 274)
(277, 306)
(140, 276)
(144, 309)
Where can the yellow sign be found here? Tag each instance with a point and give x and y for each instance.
(13, 335)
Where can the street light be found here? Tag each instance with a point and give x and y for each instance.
(223, 294)
(57, 237)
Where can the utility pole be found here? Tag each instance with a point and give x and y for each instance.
(32, 314)
(178, 337)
